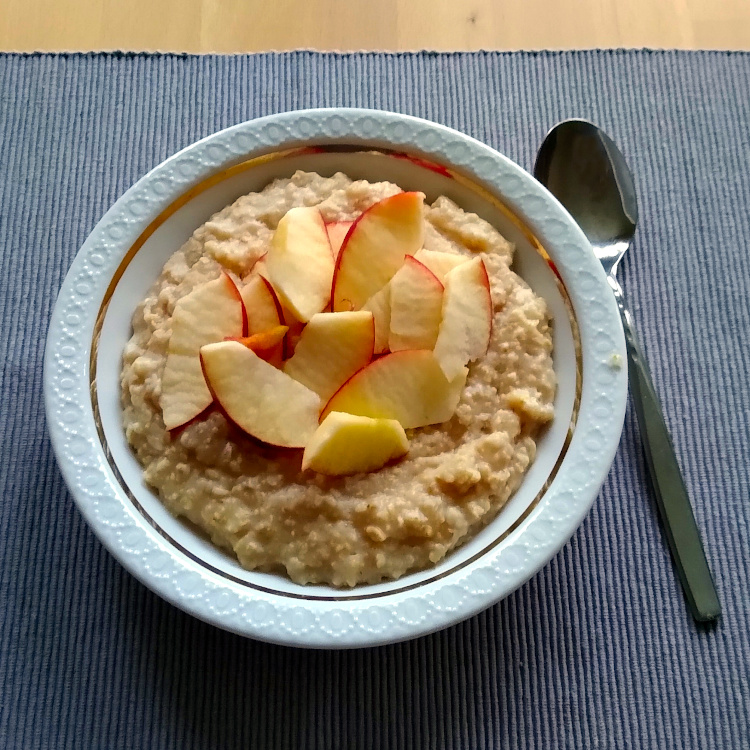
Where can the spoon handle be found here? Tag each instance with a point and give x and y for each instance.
(669, 487)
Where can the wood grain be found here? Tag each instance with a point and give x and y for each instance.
(251, 25)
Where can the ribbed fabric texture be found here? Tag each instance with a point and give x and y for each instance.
(597, 650)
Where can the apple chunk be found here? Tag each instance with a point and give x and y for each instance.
(375, 247)
(347, 444)
(332, 347)
(467, 317)
(300, 262)
(440, 263)
(416, 307)
(209, 313)
(408, 386)
(261, 400)
(262, 305)
(337, 231)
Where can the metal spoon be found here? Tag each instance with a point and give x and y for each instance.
(586, 172)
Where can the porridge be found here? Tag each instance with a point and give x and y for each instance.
(427, 363)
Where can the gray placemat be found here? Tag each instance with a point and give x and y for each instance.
(597, 650)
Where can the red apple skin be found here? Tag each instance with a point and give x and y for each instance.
(359, 363)
(428, 276)
(217, 405)
(255, 263)
(411, 260)
(392, 356)
(219, 408)
(292, 336)
(236, 292)
(175, 432)
(490, 307)
(334, 225)
(439, 168)
(337, 267)
(345, 244)
(276, 300)
(481, 292)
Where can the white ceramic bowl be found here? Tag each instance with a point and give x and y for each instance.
(125, 253)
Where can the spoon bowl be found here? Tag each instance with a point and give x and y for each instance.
(583, 168)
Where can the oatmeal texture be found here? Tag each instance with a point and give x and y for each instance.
(256, 502)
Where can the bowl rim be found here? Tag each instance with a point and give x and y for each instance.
(352, 622)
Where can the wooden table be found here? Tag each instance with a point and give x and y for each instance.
(251, 25)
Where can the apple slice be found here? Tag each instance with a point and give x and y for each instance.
(380, 307)
(346, 444)
(467, 317)
(268, 345)
(209, 313)
(261, 400)
(332, 347)
(375, 249)
(337, 231)
(295, 327)
(262, 305)
(440, 263)
(416, 307)
(300, 262)
(264, 341)
(408, 386)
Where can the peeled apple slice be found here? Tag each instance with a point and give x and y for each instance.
(347, 444)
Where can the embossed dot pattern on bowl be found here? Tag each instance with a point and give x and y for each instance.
(361, 621)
